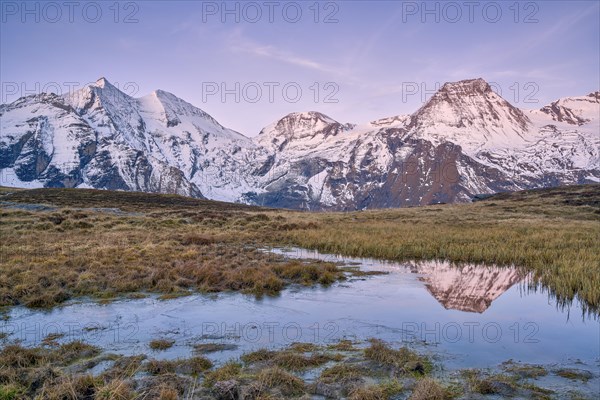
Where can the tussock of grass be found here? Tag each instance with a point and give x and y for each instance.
(168, 393)
(382, 391)
(372, 392)
(17, 359)
(161, 344)
(115, 390)
(191, 366)
(297, 362)
(259, 355)
(489, 384)
(75, 350)
(342, 373)
(303, 347)
(124, 367)
(164, 387)
(516, 382)
(278, 378)
(48, 372)
(230, 370)
(405, 359)
(291, 358)
(342, 345)
(429, 389)
(51, 339)
(199, 364)
(71, 387)
(538, 393)
(161, 367)
(12, 392)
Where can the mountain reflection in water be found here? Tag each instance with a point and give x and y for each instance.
(470, 288)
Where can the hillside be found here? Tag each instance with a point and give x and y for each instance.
(126, 201)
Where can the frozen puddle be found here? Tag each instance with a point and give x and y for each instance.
(469, 317)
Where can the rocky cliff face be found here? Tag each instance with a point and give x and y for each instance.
(465, 140)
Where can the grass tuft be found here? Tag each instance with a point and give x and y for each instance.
(429, 389)
(404, 359)
(161, 344)
(278, 378)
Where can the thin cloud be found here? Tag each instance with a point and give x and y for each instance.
(561, 26)
(243, 44)
(274, 53)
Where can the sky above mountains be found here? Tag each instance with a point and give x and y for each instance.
(249, 63)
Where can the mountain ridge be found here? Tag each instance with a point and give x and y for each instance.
(464, 140)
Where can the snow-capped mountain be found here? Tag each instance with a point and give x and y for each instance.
(470, 114)
(465, 140)
(100, 137)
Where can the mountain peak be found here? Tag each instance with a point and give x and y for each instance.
(574, 110)
(295, 122)
(104, 88)
(102, 82)
(163, 93)
(300, 127)
(466, 87)
(308, 116)
(454, 98)
(167, 98)
(471, 113)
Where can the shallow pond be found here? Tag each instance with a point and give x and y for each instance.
(469, 316)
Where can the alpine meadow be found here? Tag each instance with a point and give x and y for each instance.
(248, 200)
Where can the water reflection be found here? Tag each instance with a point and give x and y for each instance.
(462, 287)
(470, 288)
(474, 315)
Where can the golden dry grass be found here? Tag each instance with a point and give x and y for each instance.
(174, 245)
(553, 233)
(49, 257)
